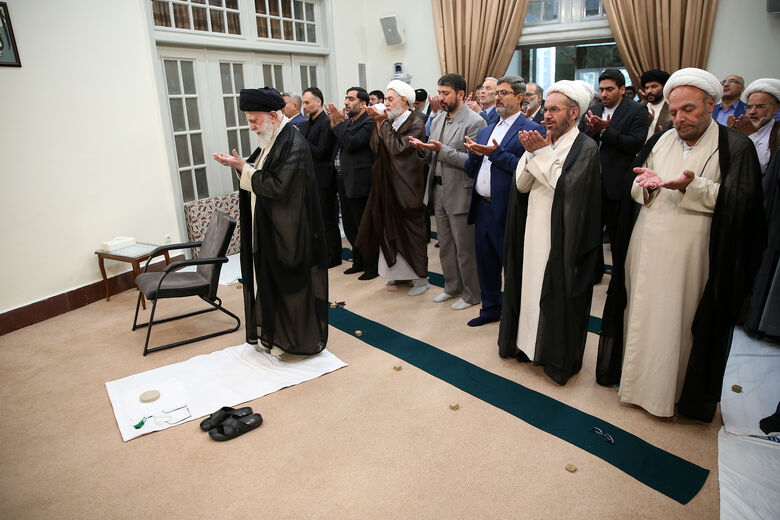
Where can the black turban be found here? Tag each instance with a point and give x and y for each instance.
(260, 100)
(420, 95)
(661, 76)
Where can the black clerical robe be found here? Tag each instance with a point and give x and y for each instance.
(567, 287)
(737, 240)
(285, 246)
(764, 310)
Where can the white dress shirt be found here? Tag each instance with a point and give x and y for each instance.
(761, 141)
(499, 132)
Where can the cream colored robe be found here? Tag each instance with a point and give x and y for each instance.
(667, 267)
(537, 174)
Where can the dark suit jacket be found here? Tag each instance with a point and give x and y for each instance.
(317, 133)
(620, 142)
(538, 116)
(503, 165)
(490, 116)
(354, 138)
(298, 121)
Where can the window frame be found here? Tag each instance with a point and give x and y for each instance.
(571, 27)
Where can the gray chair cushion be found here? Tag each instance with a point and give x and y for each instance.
(175, 285)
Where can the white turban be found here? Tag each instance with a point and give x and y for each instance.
(403, 89)
(587, 86)
(698, 78)
(574, 91)
(769, 85)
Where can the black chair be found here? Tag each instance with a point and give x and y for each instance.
(171, 283)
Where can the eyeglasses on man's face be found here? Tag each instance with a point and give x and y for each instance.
(505, 93)
(553, 109)
(731, 80)
(759, 107)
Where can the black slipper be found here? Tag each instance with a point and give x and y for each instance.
(235, 426)
(220, 415)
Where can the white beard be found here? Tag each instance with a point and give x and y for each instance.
(394, 112)
(265, 134)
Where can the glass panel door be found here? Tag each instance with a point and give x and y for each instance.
(187, 129)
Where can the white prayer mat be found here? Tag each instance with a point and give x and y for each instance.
(204, 384)
(753, 366)
(747, 465)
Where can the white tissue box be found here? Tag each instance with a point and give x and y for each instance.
(117, 243)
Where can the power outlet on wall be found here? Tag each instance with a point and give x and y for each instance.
(167, 239)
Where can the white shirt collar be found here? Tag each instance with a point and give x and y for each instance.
(511, 119)
(398, 121)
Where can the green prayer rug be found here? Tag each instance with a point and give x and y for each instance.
(437, 279)
(665, 472)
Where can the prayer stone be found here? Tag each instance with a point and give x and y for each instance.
(454, 406)
(358, 333)
(333, 305)
(571, 468)
(396, 367)
(736, 389)
(150, 396)
(238, 286)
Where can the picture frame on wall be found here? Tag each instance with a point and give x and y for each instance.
(9, 53)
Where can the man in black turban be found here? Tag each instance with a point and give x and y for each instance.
(282, 235)
(652, 82)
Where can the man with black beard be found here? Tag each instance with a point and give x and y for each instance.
(619, 127)
(653, 82)
(282, 237)
(450, 189)
(316, 130)
(352, 162)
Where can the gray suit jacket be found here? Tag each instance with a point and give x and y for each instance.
(456, 185)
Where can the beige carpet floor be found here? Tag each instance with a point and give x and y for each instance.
(363, 442)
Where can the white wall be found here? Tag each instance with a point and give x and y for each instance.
(745, 41)
(357, 37)
(82, 156)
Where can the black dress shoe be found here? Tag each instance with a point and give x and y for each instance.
(481, 320)
(354, 269)
(368, 276)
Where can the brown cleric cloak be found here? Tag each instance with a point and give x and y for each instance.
(567, 288)
(394, 218)
(737, 240)
(290, 307)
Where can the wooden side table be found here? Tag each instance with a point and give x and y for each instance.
(134, 254)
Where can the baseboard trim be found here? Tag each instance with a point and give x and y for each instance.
(61, 303)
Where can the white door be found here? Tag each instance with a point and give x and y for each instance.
(202, 87)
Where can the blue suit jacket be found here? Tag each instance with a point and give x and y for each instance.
(739, 109)
(491, 116)
(503, 164)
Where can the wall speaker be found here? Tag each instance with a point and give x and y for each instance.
(391, 31)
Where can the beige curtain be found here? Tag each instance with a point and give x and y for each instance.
(476, 38)
(661, 34)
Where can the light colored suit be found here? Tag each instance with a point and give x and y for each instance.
(452, 199)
